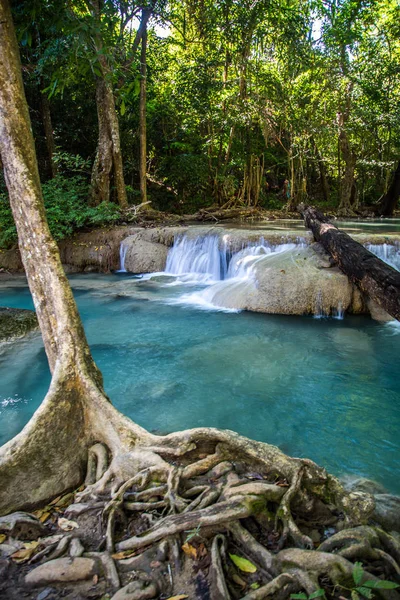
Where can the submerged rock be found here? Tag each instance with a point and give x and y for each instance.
(16, 322)
(387, 511)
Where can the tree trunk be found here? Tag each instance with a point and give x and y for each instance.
(109, 138)
(142, 119)
(391, 198)
(101, 171)
(348, 182)
(48, 133)
(373, 276)
(322, 173)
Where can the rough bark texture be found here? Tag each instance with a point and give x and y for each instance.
(108, 154)
(373, 276)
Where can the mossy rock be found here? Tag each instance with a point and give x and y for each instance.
(16, 322)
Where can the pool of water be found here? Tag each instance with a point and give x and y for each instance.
(372, 226)
(318, 388)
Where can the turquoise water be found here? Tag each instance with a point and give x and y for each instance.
(318, 388)
(371, 226)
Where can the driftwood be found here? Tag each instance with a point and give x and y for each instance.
(373, 276)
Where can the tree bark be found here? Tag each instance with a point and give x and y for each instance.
(373, 276)
(391, 198)
(142, 117)
(102, 166)
(109, 138)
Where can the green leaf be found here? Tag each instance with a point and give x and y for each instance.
(255, 586)
(318, 594)
(301, 596)
(380, 585)
(122, 108)
(366, 592)
(358, 573)
(243, 564)
(354, 595)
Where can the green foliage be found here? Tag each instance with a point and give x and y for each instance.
(67, 211)
(363, 589)
(302, 596)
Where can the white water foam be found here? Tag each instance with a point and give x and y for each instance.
(389, 253)
(226, 275)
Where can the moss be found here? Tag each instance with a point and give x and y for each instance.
(15, 323)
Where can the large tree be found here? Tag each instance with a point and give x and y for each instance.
(202, 477)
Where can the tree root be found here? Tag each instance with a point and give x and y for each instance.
(180, 504)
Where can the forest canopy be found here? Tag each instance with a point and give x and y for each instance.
(195, 103)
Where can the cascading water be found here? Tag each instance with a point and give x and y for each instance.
(389, 253)
(199, 257)
(227, 275)
(122, 255)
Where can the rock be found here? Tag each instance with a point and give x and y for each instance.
(76, 548)
(62, 570)
(4, 565)
(16, 322)
(387, 511)
(7, 550)
(22, 525)
(137, 590)
(296, 281)
(144, 257)
(70, 269)
(362, 484)
(45, 593)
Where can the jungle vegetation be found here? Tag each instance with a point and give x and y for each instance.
(197, 104)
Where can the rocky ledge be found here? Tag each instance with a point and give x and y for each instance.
(16, 322)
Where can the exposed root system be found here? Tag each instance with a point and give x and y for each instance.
(210, 516)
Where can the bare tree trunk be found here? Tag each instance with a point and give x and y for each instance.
(102, 166)
(142, 120)
(348, 182)
(391, 198)
(48, 133)
(109, 138)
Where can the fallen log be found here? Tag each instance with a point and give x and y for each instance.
(373, 276)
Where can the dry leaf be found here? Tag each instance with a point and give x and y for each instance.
(25, 554)
(190, 550)
(2, 538)
(44, 516)
(66, 524)
(95, 579)
(180, 597)
(237, 579)
(124, 554)
(63, 501)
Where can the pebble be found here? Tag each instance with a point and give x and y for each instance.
(62, 570)
(45, 594)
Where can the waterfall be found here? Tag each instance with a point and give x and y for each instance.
(227, 275)
(122, 254)
(389, 253)
(200, 257)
